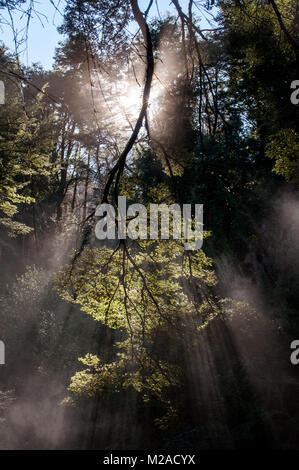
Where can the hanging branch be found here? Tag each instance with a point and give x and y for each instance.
(118, 168)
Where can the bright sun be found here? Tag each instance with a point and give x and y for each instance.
(131, 100)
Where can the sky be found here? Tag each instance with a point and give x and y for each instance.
(43, 36)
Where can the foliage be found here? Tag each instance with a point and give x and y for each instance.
(284, 149)
(26, 144)
(159, 297)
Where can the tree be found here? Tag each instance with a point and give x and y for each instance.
(26, 145)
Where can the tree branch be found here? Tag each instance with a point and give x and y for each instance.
(119, 166)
